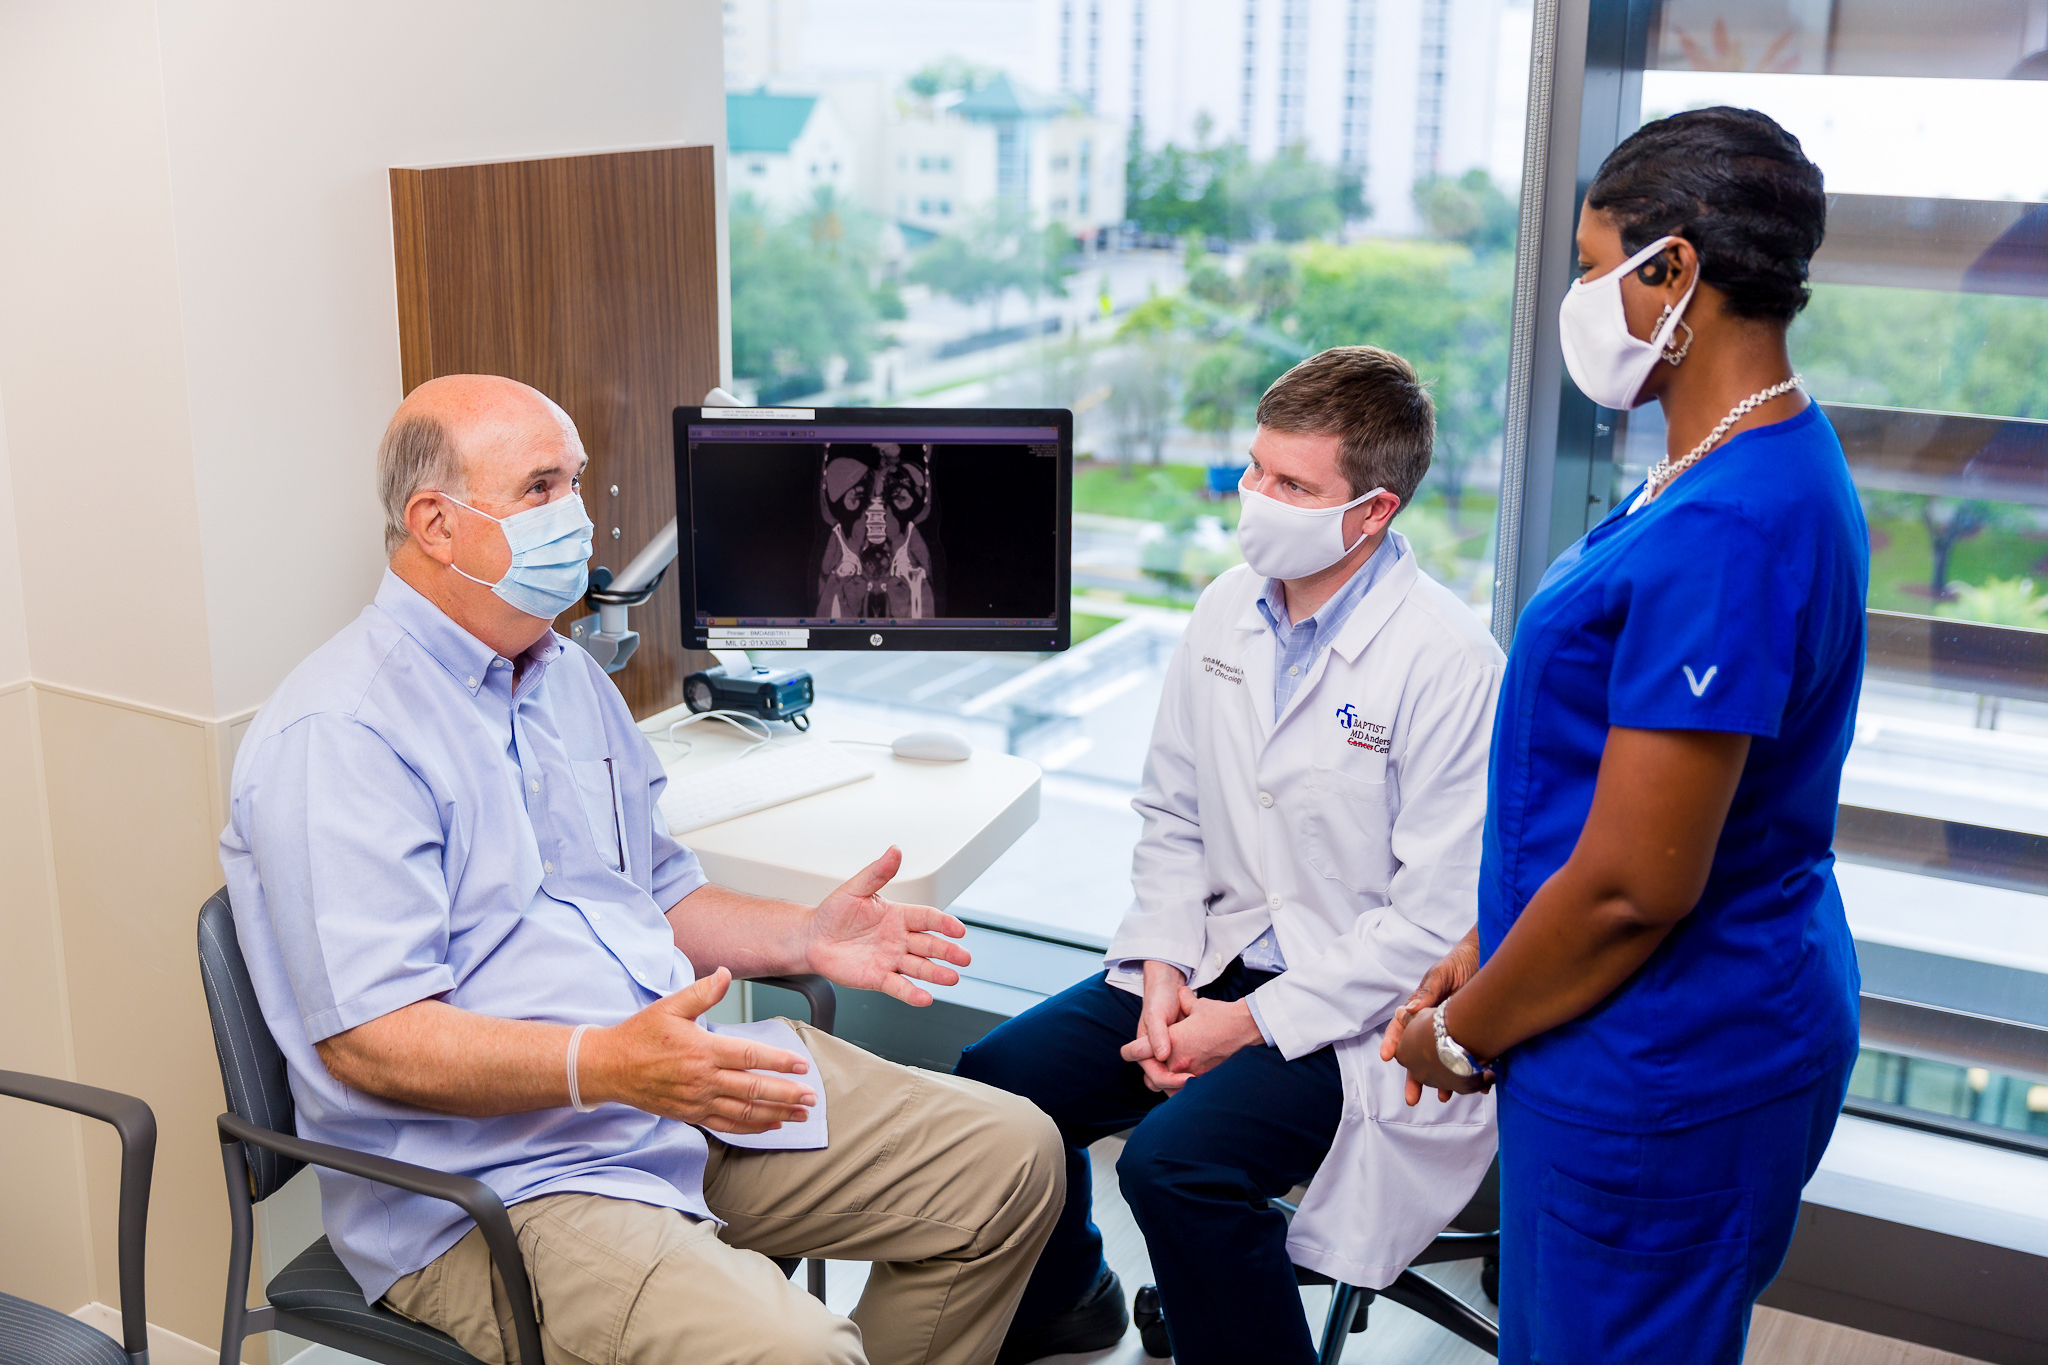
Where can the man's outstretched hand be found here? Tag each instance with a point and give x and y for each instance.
(858, 938)
(663, 1061)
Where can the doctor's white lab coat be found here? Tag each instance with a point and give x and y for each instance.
(1352, 825)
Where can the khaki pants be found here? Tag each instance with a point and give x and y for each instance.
(949, 1186)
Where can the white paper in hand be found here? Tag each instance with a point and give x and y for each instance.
(790, 1137)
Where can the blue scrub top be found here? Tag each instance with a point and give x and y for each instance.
(1734, 603)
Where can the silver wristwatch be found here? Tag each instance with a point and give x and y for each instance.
(1455, 1058)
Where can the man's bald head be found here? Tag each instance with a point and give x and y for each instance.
(447, 426)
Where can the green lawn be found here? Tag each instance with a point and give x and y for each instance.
(1900, 562)
(1476, 511)
(1100, 487)
(1087, 626)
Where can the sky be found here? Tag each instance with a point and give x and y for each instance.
(1906, 136)
(1947, 139)
(894, 38)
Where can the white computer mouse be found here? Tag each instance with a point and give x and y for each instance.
(933, 746)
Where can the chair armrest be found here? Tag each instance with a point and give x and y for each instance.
(136, 1124)
(1458, 1246)
(816, 991)
(473, 1197)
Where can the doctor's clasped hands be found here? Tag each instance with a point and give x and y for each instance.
(1181, 1035)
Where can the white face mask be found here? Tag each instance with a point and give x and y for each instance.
(1607, 361)
(1283, 541)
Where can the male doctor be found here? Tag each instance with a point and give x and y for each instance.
(1312, 810)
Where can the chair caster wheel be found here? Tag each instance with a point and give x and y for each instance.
(1489, 1280)
(1151, 1322)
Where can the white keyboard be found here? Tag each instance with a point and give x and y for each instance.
(766, 777)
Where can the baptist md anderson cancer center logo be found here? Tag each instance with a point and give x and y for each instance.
(1360, 733)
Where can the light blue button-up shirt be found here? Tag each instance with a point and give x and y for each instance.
(1295, 643)
(1294, 654)
(409, 825)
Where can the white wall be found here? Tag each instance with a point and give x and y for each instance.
(14, 664)
(203, 343)
(199, 351)
(91, 360)
(282, 123)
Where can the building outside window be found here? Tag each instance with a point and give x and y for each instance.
(1161, 351)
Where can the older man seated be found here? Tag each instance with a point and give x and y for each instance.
(481, 952)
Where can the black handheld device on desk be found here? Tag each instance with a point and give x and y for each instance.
(875, 528)
(770, 693)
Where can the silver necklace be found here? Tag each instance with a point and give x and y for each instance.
(1665, 470)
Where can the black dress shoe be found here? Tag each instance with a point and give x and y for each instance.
(1096, 1323)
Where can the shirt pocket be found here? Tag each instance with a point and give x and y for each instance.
(1344, 832)
(599, 793)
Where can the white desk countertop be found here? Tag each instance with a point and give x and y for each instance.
(950, 819)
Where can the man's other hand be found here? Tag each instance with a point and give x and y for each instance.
(1439, 984)
(1164, 986)
(663, 1061)
(858, 939)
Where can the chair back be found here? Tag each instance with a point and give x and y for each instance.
(1482, 1213)
(252, 1070)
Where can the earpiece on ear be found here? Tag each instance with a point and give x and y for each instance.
(1655, 272)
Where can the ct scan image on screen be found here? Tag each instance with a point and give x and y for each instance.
(874, 561)
(871, 526)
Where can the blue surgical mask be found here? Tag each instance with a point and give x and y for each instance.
(550, 556)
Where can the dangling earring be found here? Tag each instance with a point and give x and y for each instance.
(1674, 354)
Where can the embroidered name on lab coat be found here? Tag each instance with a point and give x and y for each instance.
(1222, 670)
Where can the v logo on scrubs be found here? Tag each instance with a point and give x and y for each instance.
(1699, 685)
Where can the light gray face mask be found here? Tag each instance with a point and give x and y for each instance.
(550, 547)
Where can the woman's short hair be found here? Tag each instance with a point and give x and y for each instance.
(1372, 402)
(1735, 185)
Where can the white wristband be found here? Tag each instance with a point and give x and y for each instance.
(575, 1097)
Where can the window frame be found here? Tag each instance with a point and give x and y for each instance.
(1558, 449)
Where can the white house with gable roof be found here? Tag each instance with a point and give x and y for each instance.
(782, 149)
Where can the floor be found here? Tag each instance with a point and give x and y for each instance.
(1396, 1336)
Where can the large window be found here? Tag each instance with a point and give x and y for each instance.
(1924, 344)
(1149, 247)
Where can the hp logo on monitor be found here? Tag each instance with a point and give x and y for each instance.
(874, 639)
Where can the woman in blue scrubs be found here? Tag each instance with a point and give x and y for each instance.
(1667, 999)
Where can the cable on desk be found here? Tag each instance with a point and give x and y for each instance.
(740, 720)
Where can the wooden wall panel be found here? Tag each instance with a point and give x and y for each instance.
(594, 279)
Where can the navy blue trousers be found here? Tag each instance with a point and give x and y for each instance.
(1650, 1246)
(1196, 1171)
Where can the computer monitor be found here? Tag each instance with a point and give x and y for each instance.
(874, 528)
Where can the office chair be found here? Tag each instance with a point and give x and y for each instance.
(315, 1297)
(1473, 1235)
(31, 1334)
